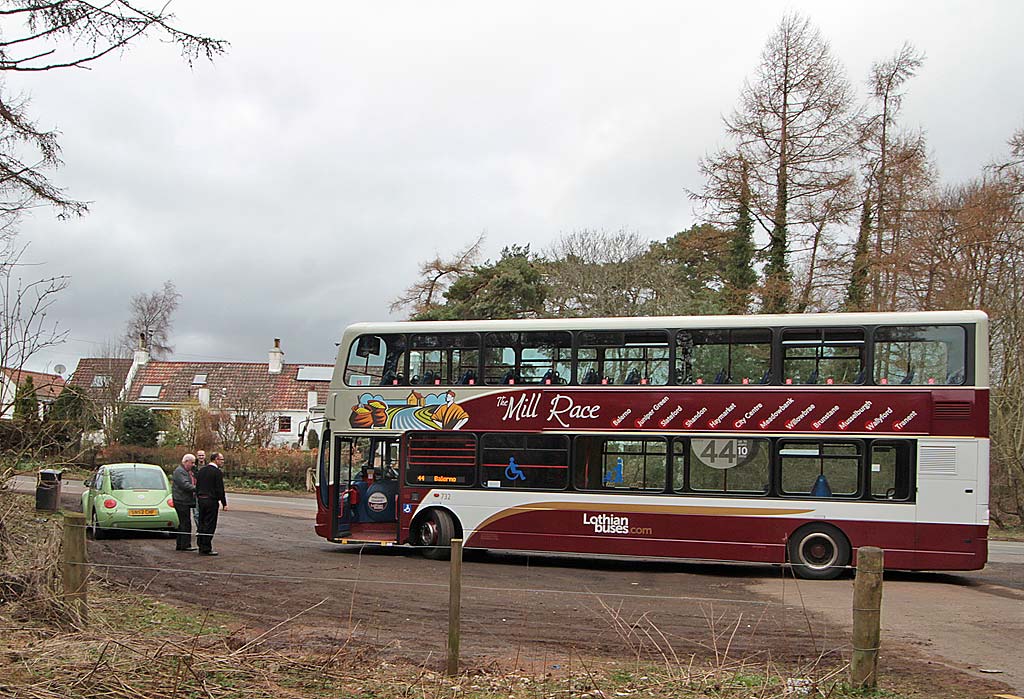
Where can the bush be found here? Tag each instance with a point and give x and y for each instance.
(272, 466)
(139, 426)
(277, 469)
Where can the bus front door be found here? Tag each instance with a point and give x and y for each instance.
(341, 477)
(367, 502)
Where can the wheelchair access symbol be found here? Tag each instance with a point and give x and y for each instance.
(512, 471)
(615, 475)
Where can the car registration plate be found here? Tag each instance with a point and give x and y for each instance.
(142, 513)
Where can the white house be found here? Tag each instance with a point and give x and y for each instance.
(287, 392)
(46, 386)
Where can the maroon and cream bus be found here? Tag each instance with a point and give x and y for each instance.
(743, 438)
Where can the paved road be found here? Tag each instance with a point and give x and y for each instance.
(303, 507)
(999, 552)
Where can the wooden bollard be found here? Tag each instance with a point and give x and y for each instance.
(867, 617)
(454, 606)
(75, 572)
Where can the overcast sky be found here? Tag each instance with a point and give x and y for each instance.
(293, 186)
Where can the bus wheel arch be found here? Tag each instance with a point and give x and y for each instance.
(818, 551)
(433, 531)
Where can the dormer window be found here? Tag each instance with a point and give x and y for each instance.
(199, 380)
(151, 391)
(100, 381)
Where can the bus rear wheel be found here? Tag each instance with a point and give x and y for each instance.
(818, 552)
(434, 533)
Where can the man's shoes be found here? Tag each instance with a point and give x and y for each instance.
(208, 553)
(191, 548)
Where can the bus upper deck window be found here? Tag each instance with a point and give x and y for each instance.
(623, 358)
(375, 360)
(714, 357)
(920, 355)
(823, 356)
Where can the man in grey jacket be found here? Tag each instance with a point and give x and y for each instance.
(183, 492)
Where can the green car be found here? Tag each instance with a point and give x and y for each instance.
(128, 496)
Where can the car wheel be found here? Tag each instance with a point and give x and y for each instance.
(818, 552)
(434, 533)
(95, 530)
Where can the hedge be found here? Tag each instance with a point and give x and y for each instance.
(274, 467)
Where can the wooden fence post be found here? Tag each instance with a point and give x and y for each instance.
(867, 617)
(75, 572)
(454, 606)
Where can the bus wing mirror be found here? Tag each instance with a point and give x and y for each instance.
(368, 345)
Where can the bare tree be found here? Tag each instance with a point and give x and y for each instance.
(435, 277)
(25, 329)
(897, 174)
(965, 249)
(49, 35)
(152, 317)
(795, 131)
(598, 273)
(249, 424)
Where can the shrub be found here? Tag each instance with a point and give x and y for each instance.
(277, 469)
(139, 426)
(272, 466)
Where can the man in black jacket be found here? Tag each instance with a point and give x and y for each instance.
(210, 494)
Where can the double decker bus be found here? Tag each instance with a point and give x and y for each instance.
(774, 439)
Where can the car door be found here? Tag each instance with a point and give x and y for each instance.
(95, 485)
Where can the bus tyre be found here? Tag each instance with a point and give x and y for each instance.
(434, 533)
(818, 552)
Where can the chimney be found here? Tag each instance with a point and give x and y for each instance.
(142, 353)
(311, 400)
(276, 357)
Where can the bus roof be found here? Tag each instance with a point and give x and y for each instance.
(648, 322)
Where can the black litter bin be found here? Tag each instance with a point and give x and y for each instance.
(48, 490)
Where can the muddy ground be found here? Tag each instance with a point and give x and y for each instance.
(536, 613)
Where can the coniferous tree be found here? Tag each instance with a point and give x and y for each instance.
(740, 276)
(856, 292)
(26, 403)
(795, 128)
(512, 287)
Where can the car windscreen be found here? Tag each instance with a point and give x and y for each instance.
(137, 479)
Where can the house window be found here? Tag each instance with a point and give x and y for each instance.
(100, 381)
(199, 380)
(151, 391)
(284, 423)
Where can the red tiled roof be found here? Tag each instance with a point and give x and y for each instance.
(230, 384)
(47, 386)
(89, 369)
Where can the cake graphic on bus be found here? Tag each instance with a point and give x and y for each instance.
(436, 411)
(372, 413)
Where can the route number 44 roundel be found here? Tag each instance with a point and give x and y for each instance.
(725, 453)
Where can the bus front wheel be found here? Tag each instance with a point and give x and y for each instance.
(434, 533)
(818, 552)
